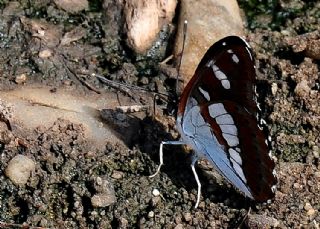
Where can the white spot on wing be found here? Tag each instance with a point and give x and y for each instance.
(263, 122)
(235, 58)
(229, 129)
(210, 63)
(225, 84)
(224, 119)
(229, 51)
(219, 74)
(235, 156)
(217, 109)
(258, 105)
(231, 139)
(205, 94)
(274, 173)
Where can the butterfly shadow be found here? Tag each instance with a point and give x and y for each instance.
(123, 125)
(147, 134)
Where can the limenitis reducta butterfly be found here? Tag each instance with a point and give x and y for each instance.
(218, 116)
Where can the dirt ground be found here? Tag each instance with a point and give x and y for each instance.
(92, 162)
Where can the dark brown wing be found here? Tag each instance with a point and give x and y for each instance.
(241, 75)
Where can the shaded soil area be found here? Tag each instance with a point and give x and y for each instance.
(79, 182)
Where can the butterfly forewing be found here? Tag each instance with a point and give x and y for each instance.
(230, 62)
(217, 116)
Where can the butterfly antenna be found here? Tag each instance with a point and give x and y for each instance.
(126, 88)
(185, 25)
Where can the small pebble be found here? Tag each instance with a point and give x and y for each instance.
(151, 214)
(72, 6)
(155, 201)
(307, 206)
(65, 210)
(187, 216)
(45, 53)
(177, 219)
(123, 223)
(73, 214)
(117, 175)
(20, 79)
(94, 213)
(274, 88)
(90, 154)
(76, 204)
(155, 192)
(315, 150)
(19, 169)
(311, 212)
(296, 185)
(144, 80)
(102, 200)
(99, 181)
(179, 226)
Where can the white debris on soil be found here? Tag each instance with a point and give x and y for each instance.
(144, 20)
(19, 169)
(274, 88)
(155, 192)
(217, 19)
(151, 214)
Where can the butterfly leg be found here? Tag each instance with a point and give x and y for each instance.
(161, 153)
(194, 160)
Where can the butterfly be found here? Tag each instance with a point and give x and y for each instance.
(218, 117)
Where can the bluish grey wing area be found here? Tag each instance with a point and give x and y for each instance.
(197, 133)
(219, 159)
